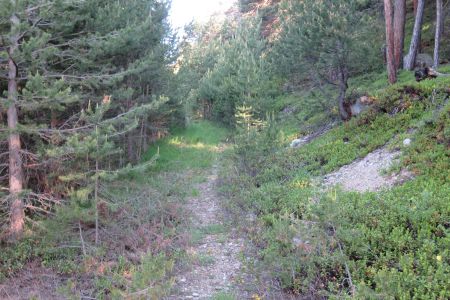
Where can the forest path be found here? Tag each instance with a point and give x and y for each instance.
(214, 251)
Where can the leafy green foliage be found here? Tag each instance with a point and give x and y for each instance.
(150, 278)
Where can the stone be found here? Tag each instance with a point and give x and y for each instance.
(298, 142)
(424, 60)
(297, 241)
(407, 142)
(302, 244)
(361, 105)
(251, 217)
(289, 110)
(196, 295)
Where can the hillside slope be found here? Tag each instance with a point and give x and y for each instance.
(319, 242)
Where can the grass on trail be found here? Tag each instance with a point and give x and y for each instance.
(194, 147)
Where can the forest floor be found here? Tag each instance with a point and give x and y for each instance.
(215, 249)
(217, 258)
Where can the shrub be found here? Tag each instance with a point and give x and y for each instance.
(394, 243)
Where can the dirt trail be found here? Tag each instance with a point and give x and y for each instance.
(216, 265)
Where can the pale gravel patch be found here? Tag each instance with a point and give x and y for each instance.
(365, 174)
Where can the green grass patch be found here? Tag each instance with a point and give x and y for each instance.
(195, 192)
(205, 260)
(214, 229)
(190, 148)
(224, 296)
(198, 234)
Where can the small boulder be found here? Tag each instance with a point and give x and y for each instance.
(361, 105)
(297, 143)
(424, 60)
(288, 110)
(407, 142)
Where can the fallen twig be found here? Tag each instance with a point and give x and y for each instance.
(347, 269)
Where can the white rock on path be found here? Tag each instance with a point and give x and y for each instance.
(407, 142)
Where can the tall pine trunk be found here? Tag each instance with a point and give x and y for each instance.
(130, 136)
(17, 214)
(438, 33)
(410, 58)
(399, 31)
(390, 57)
(96, 187)
(130, 146)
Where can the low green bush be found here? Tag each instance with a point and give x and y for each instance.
(392, 244)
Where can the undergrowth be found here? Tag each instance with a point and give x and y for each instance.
(139, 231)
(331, 243)
(141, 234)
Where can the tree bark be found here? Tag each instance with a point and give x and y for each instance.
(390, 58)
(131, 154)
(399, 31)
(438, 33)
(415, 4)
(130, 146)
(343, 79)
(410, 58)
(141, 140)
(17, 214)
(96, 188)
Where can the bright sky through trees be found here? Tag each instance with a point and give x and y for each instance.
(184, 11)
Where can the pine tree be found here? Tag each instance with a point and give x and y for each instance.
(390, 42)
(410, 58)
(399, 31)
(89, 148)
(26, 40)
(327, 41)
(59, 56)
(240, 75)
(438, 32)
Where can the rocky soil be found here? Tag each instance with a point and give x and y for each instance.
(216, 265)
(366, 174)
